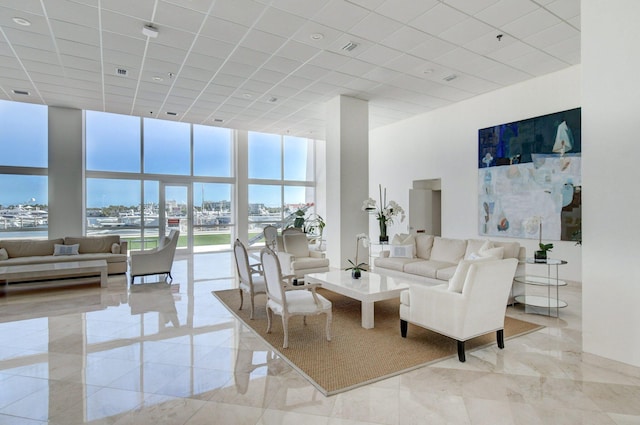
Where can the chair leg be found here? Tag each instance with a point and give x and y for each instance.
(403, 328)
(241, 298)
(251, 299)
(132, 277)
(461, 355)
(500, 337)
(170, 277)
(285, 327)
(269, 314)
(329, 319)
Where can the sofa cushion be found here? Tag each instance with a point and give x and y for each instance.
(29, 247)
(396, 264)
(427, 268)
(3, 254)
(424, 244)
(497, 252)
(93, 244)
(476, 245)
(448, 250)
(303, 263)
(446, 273)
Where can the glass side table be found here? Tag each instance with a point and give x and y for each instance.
(540, 303)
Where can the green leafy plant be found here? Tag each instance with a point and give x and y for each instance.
(356, 267)
(546, 247)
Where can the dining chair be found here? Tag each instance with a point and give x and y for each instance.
(250, 275)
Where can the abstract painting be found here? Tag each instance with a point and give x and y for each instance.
(529, 178)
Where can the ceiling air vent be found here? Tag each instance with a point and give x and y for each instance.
(21, 92)
(121, 71)
(349, 46)
(450, 77)
(172, 113)
(218, 120)
(272, 99)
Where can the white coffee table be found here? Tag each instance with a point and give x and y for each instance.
(371, 287)
(55, 270)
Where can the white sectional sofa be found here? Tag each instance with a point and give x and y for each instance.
(433, 259)
(83, 248)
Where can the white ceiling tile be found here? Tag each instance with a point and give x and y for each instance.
(538, 63)
(249, 57)
(340, 15)
(463, 60)
(235, 68)
(122, 25)
(432, 48)
(370, 5)
(222, 30)
(29, 39)
(139, 9)
(489, 43)
(375, 27)
(79, 49)
(502, 74)
(511, 52)
(279, 22)
(166, 53)
(205, 62)
(531, 23)
(438, 19)
(329, 60)
(171, 15)
(298, 51)
(243, 12)
(73, 12)
(282, 65)
(404, 63)
(466, 31)
(73, 32)
(262, 41)
(566, 9)
(567, 50)
(551, 35)
(305, 9)
(575, 22)
(405, 39)
(405, 10)
(381, 74)
(210, 47)
(378, 54)
(470, 7)
(173, 37)
(119, 42)
(355, 67)
(505, 11)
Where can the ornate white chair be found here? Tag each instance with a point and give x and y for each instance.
(250, 275)
(297, 259)
(472, 304)
(287, 301)
(270, 234)
(155, 261)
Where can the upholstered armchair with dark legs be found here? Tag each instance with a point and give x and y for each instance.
(155, 261)
(472, 304)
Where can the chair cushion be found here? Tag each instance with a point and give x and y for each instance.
(448, 250)
(296, 244)
(304, 263)
(300, 302)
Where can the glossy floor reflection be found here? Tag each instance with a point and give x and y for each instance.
(172, 354)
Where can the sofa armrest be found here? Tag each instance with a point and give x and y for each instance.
(124, 246)
(384, 254)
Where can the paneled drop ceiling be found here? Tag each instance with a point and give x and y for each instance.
(271, 66)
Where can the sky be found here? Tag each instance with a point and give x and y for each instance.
(113, 144)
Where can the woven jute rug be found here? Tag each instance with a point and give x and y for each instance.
(356, 356)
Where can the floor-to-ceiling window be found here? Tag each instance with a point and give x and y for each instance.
(23, 170)
(147, 176)
(281, 180)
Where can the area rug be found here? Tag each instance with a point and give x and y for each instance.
(356, 356)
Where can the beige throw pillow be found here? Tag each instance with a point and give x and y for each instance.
(3, 254)
(115, 248)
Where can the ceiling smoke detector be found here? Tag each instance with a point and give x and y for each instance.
(150, 31)
(349, 46)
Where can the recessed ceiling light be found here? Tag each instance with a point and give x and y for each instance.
(428, 71)
(247, 96)
(157, 78)
(316, 36)
(21, 21)
(21, 92)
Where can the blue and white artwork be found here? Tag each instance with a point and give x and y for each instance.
(529, 178)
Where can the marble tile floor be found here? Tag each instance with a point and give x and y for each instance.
(172, 354)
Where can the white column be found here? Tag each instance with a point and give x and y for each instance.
(347, 176)
(242, 187)
(610, 151)
(66, 172)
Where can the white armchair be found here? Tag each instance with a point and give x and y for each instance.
(472, 304)
(155, 261)
(296, 259)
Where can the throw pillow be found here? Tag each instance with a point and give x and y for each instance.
(4, 255)
(66, 249)
(115, 248)
(456, 283)
(401, 251)
(497, 253)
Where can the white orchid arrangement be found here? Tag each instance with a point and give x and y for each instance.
(385, 212)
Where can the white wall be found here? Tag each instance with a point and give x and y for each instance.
(444, 144)
(611, 149)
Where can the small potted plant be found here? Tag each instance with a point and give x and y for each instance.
(540, 256)
(356, 269)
